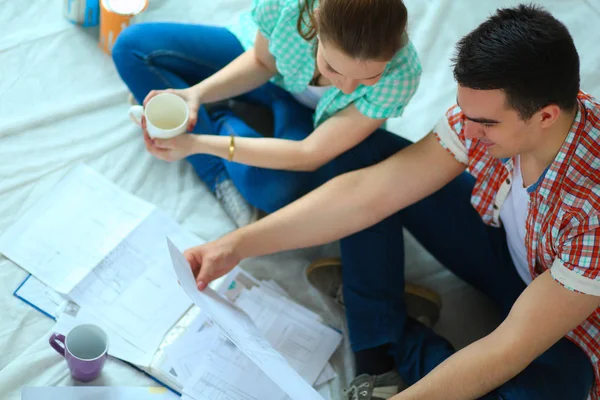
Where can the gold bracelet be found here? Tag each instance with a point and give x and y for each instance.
(231, 147)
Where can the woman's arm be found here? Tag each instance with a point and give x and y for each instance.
(344, 205)
(250, 70)
(339, 133)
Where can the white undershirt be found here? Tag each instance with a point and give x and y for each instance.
(513, 214)
(311, 96)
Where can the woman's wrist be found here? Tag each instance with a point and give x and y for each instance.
(198, 146)
(197, 92)
(207, 143)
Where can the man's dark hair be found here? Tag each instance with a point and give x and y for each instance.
(525, 52)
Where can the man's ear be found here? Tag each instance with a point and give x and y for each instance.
(548, 115)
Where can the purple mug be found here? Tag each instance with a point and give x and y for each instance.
(85, 348)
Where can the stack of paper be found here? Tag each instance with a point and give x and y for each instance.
(101, 256)
(253, 343)
(104, 250)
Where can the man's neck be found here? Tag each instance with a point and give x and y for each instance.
(534, 163)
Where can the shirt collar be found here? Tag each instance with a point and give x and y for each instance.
(546, 180)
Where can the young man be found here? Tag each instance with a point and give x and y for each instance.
(522, 225)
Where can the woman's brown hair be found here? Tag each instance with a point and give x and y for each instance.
(363, 29)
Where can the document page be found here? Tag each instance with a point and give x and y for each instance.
(134, 289)
(225, 373)
(305, 343)
(239, 329)
(67, 233)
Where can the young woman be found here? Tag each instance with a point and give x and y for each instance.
(331, 72)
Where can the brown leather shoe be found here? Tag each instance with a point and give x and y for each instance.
(423, 304)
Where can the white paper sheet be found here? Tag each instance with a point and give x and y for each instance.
(279, 297)
(40, 295)
(51, 242)
(238, 328)
(326, 375)
(186, 352)
(305, 343)
(270, 288)
(96, 393)
(201, 359)
(226, 373)
(134, 289)
(213, 368)
(108, 249)
(274, 286)
(235, 282)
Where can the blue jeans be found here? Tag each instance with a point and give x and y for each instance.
(167, 55)
(448, 226)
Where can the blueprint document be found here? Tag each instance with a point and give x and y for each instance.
(305, 344)
(71, 229)
(242, 345)
(104, 249)
(213, 368)
(226, 373)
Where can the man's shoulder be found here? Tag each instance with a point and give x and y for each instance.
(580, 188)
(591, 114)
(586, 155)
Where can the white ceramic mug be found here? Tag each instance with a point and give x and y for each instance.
(166, 115)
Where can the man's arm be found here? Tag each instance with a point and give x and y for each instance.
(353, 201)
(544, 313)
(342, 206)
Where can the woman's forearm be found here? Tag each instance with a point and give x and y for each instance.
(242, 75)
(335, 136)
(269, 153)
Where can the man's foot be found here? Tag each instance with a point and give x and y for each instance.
(374, 387)
(235, 205)
(422, 304)
(325, 275)
(374, 360)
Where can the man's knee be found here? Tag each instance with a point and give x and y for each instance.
(543, 382)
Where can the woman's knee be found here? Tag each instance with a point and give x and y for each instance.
(270, 190)
(130, 40)
(374, 149)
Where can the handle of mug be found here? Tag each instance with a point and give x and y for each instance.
(136, 113)
(54, 340)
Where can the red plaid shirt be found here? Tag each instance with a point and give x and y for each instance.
(563, 227)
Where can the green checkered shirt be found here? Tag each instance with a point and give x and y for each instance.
(295, 61)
